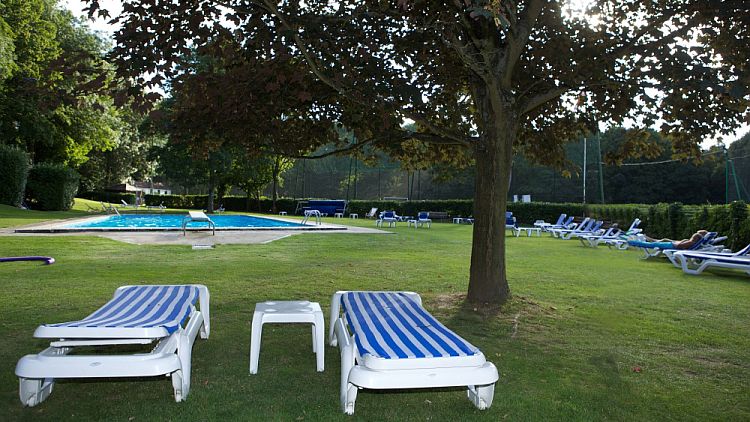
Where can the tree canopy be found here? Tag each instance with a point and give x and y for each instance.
(481, 77)
(52, 101)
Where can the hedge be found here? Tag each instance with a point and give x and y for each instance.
(14, 171)
(111, 197)
(231, 203)
(52, 187)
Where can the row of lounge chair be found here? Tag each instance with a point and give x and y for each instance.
(707, 252)
(387, 340)
(391, 218)
(589, 231)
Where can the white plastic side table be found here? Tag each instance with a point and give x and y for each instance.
(529, 230)
(354, 216)
(282, 213)
(287, 312)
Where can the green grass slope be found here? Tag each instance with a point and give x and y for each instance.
(568, 346)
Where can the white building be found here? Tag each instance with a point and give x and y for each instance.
(142, 188)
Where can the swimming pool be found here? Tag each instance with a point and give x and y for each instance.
(174, 221)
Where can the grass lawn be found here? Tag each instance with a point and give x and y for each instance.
(566, 346)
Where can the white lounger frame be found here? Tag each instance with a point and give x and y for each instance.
(171, 356)
(375, 373)
(694, 263)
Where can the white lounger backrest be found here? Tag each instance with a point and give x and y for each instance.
(143, 306)
(391, 325)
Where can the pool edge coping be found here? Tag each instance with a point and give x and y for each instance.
(54, 227)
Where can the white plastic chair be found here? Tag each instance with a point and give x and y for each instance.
(135, 315)
(387, 340)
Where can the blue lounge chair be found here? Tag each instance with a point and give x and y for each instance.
(545, 226)
(388, 340)
(583, 225)
(422, 218)
(136, 315)
(618, 240)
(694, 262)
(717, 251)
(510, 221)
(656, 249)
(389, 217)
(594, 228)
(592, 240)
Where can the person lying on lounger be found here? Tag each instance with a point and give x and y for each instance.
(678, 244)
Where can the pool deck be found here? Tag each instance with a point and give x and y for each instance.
(194, 236)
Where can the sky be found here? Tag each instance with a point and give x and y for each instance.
(115, 7)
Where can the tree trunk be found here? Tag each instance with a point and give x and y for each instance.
(274, 189)
(487, 277)
(211, 189)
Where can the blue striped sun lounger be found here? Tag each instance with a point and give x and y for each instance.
(134, 312)
(135, 315)
(388, 340)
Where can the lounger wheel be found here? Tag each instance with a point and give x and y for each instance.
(33, 391)
(481, 395)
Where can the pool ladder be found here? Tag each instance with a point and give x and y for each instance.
(312, 213)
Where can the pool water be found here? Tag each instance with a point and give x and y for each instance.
(175, 221)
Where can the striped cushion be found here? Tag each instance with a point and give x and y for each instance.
(391, 325)
(142, 307)
(651, 245)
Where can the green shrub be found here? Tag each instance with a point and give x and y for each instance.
(699, 221)
(677, 220)
(657, 222)
(743, 239)
(528, 212)
(454, 207)
(738, 216)
(112, 197)
(14, 170)
(52, 187)
(719, 219)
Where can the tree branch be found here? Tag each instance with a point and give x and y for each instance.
(540, 99)
(467, 58)
(399, 135)
(518, 39)
(634, 48)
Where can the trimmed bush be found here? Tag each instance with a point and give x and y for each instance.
(52, 187)
(14, 170)
(528, 212)
(112, 197)
(677, 220)
(738, 216)
(699, 221)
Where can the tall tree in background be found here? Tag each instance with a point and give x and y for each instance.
(53, 101)
(489, 76)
